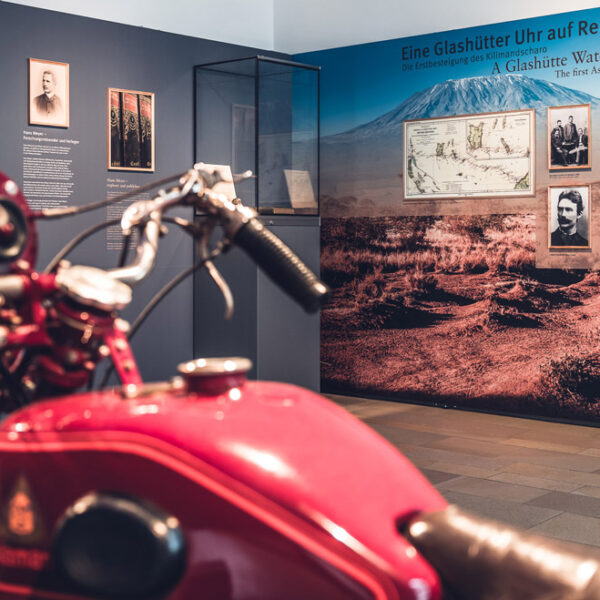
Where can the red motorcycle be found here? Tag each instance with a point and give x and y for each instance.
(210, 486)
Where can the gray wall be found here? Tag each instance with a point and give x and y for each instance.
(288, 339)
(268, 327)
(101, 55)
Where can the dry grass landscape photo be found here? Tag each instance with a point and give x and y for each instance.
(452, 310)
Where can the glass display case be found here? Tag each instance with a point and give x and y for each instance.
(262, 114)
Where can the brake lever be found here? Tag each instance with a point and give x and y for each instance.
(239, 177)
(197, 181)
(139, 212)
(206, 230)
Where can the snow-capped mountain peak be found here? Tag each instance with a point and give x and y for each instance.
(469, 95)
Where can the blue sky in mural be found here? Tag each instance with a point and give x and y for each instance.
(360, 83)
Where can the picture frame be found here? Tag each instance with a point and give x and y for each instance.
(48, 93)
(569, 217)
(479, 155)
(130, 130)
(569, 137)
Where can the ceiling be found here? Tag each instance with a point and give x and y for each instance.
(294, 26)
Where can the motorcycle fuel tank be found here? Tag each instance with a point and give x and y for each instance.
(277, 493)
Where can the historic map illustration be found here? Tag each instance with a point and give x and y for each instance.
(489, 154)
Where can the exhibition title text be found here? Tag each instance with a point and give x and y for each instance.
(480, 42)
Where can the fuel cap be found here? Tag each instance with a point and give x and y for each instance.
(214, 376)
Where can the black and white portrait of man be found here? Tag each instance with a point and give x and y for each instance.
(569, 217)
(48, 93)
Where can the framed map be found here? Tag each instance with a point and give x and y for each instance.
(488, 154)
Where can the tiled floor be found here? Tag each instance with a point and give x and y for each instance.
(537, 475)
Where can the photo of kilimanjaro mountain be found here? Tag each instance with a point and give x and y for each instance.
(363, 166)
(456, 302)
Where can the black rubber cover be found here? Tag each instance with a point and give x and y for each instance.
(281, 265)
(112, 546)
(479, 559)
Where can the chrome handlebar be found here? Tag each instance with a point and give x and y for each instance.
(194, 187)
(240, 227)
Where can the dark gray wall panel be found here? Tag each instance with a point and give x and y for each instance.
(288, 338)
(101, 55)
(213, 335)
(267, 327)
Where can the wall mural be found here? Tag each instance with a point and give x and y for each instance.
(444, 293)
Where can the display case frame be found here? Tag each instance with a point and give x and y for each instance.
(262, 114)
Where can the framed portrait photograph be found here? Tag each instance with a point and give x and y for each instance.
(48, 93)
(130, 130)
(569, 216)
(569, 137)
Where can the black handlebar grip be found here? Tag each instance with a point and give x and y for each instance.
(281, 265)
